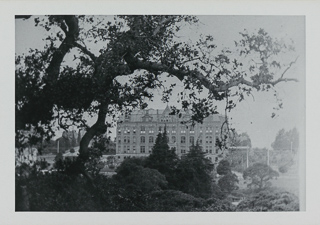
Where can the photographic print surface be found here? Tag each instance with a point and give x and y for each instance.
(159, 113)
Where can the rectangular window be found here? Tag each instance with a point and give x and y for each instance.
(173, 130)
(142, 149)
(183, 151)
(143, 130)
(191, 140)
(192, 130)
(183, 139)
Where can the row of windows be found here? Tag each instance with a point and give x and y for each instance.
(143, 150)
(160, 131)
(183, 129)
(183, 151)
(216, 158)
(126, 149)
(126, 139)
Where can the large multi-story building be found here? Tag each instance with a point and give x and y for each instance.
(137, 132)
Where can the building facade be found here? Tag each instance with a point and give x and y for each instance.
(137, 132)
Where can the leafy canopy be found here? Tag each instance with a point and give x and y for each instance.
(102, 66)
(194, 173)
(260, 174)
(286, 140)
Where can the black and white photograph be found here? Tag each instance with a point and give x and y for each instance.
(159, 113)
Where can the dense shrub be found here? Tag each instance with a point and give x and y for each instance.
(173, 201)
(270, 200)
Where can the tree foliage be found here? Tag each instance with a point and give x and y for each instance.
(228, 181)
(223, 167)
(174, 201)
(270, 201)
(163, 158)
(286, 140)
(68, 80)
(240, 140)
(194, 173)
(132, 173)
(136, 51)
(260, 174)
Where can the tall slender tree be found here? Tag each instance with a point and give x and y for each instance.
(194, 173)
(163, 158)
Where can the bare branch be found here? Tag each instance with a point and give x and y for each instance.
(57, 57)
(217, 87)
(86, 51)
(289, 67)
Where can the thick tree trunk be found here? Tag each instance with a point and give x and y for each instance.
(98, 128)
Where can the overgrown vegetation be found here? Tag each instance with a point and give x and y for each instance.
(136, 53)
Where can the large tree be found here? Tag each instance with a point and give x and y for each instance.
(163, 158)
(69, 79)
(260, 174)
(240, 140)
(194, 173)
(227, 181)
(286, 140)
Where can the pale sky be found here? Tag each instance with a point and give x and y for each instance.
(252, 115)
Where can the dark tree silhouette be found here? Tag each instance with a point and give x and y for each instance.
(141, 49)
